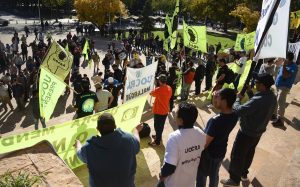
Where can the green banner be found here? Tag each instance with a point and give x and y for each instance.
(50, 89)
(194, 37)
(244, 42)
(173, 39)
(168, 25)
(58, 61)
(166, 44)
(63, 136)
(85, 49)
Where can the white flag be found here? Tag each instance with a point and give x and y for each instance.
(275, 41)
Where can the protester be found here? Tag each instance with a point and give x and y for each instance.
(199, 76)
(115, 90)
(217, 131)
(111, 157)
(18, 93)
(242, 63)
(105, 98)
(221, 75)
(209, 72)
(161, 108)
(96, 60)
(85, 101)
(5, 96)
(172, 82)
(118, 75)
(97, 78)
(183, 150)
(188, 79)
(254, 117)
(284, 82)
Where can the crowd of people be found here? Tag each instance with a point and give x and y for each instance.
(191, 154)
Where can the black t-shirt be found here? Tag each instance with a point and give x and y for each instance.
(222, 70)
(220, 127)
(85, 103)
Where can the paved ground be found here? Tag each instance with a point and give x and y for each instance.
(276, 162)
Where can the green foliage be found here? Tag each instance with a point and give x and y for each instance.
(53, 3)
(22, 179)
(248, 17)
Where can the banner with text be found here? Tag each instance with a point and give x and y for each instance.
(274, 43)
(295, 48)
(50, 89)
(63, 136)
(139, 81)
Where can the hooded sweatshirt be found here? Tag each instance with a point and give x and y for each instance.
(111, 159)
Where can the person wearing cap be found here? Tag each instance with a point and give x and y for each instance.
(110, 80)
(85, 101)
(111, 157)
(284, 82)
(254, 118)
(183, 150)
(114, 87)
(105, 98)
(161, 108)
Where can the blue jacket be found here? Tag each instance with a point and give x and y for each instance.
(256, 113)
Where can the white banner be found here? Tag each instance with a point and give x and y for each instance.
(266, 9)
(139, 81)
(275, 42)
(294, 48)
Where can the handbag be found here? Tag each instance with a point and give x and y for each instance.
(205, 163)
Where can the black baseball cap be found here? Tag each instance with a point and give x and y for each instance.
(265, 78)
(162, 78)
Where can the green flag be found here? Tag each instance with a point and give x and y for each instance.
(168, 26)
(50, 89)
(173, 39)
(166, 44)
(245, 42)
(179, 83)
(85, 49)
(194, 37)
(58, 61)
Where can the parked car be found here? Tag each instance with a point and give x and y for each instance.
(4, 22)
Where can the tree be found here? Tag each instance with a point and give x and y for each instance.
(135, 7)
(147, 24)
(53, 4)
(99, 11)
(248, 17)
(216, 10)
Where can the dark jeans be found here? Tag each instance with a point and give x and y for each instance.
(159, 123)
(242, 155)
(208, 82)
(197, 87)
(213, 176)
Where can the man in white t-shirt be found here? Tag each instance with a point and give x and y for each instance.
(105, 98)
(242, 63)
(183, 150)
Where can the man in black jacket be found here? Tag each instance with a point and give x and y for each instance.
(199, 75)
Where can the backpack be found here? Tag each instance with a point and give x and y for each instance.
(145, 132)
(229, 78)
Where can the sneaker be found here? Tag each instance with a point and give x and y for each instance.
(278, 123)
(244, 178)
(229, 182)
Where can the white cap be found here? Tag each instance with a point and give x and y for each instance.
(110, 80)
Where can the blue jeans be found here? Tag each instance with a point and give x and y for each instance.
(213, 176)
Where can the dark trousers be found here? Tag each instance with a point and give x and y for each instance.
(208, 82)
(159, 123)
(197, 87)
(213, 175)
(242, 155)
